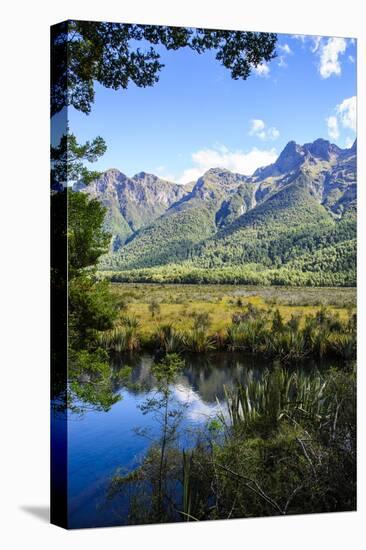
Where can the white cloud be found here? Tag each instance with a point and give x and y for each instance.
(346, 112)
(281, 61)
(162, 172)
(316, 43)
(261, 70)
(259, 129)
(307, 39)
(348, 142)
(285, 51)
(273, 133)
(285, 48)
(351, 59)
(329, 53)
(242, 162)
(333, 130)
(257, 125)
(345, 117)
(161, 168)
(301, 37)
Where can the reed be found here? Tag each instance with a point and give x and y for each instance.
(169, 339)
(119, 339)
(247, 336)
(187, 458)
(254, 330)
(288, 346)
(198, 340)
(280, 396)
(343, 345)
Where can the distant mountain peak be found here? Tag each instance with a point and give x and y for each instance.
(290, 155)
(322, 149)
(112, 171)
(216, 171)
(294, 155)
(289, 159)
(290, 147)
(214, 221)
(144, 176)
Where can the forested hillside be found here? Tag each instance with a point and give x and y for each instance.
(293, 222)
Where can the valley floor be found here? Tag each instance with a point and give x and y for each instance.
(180, 304)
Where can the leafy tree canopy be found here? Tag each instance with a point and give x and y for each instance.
(116, 54)
(87, 239)
(68, 160)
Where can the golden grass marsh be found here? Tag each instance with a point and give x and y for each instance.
(178, 304)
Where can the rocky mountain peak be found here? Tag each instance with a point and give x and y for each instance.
(218, 181)
(290, 159)
(145, 177)
(322, 149)
(293, 156)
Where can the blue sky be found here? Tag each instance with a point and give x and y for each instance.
(197, 116)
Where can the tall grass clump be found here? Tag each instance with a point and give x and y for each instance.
(124, 336)
(247, 336)
(287, 345)
(198, 340)
(280, 395)
(169, 339)
(343, 345)
(320, 335)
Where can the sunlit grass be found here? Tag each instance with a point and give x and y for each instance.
(178, 304)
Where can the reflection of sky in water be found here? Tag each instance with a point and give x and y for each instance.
(198, 411)
(101, 442)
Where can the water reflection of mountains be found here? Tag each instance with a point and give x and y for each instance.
(207, 375)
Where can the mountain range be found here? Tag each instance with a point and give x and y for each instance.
(296, 216)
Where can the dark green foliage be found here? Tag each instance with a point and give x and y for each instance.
(288, 446)
(90, 381)
(85, 52)
(263, 235)
(87, 239)
(91, 305)
(123, 336)
(68, 159)
(169, 239)
(235, 275)
(337, 258)
(91, 308)
(247, 336)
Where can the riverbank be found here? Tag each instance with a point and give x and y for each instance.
(284, 323)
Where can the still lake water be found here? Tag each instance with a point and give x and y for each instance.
(101, 442)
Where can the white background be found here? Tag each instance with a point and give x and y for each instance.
(24, 314)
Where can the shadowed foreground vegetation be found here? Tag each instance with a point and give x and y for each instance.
(284, 445)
